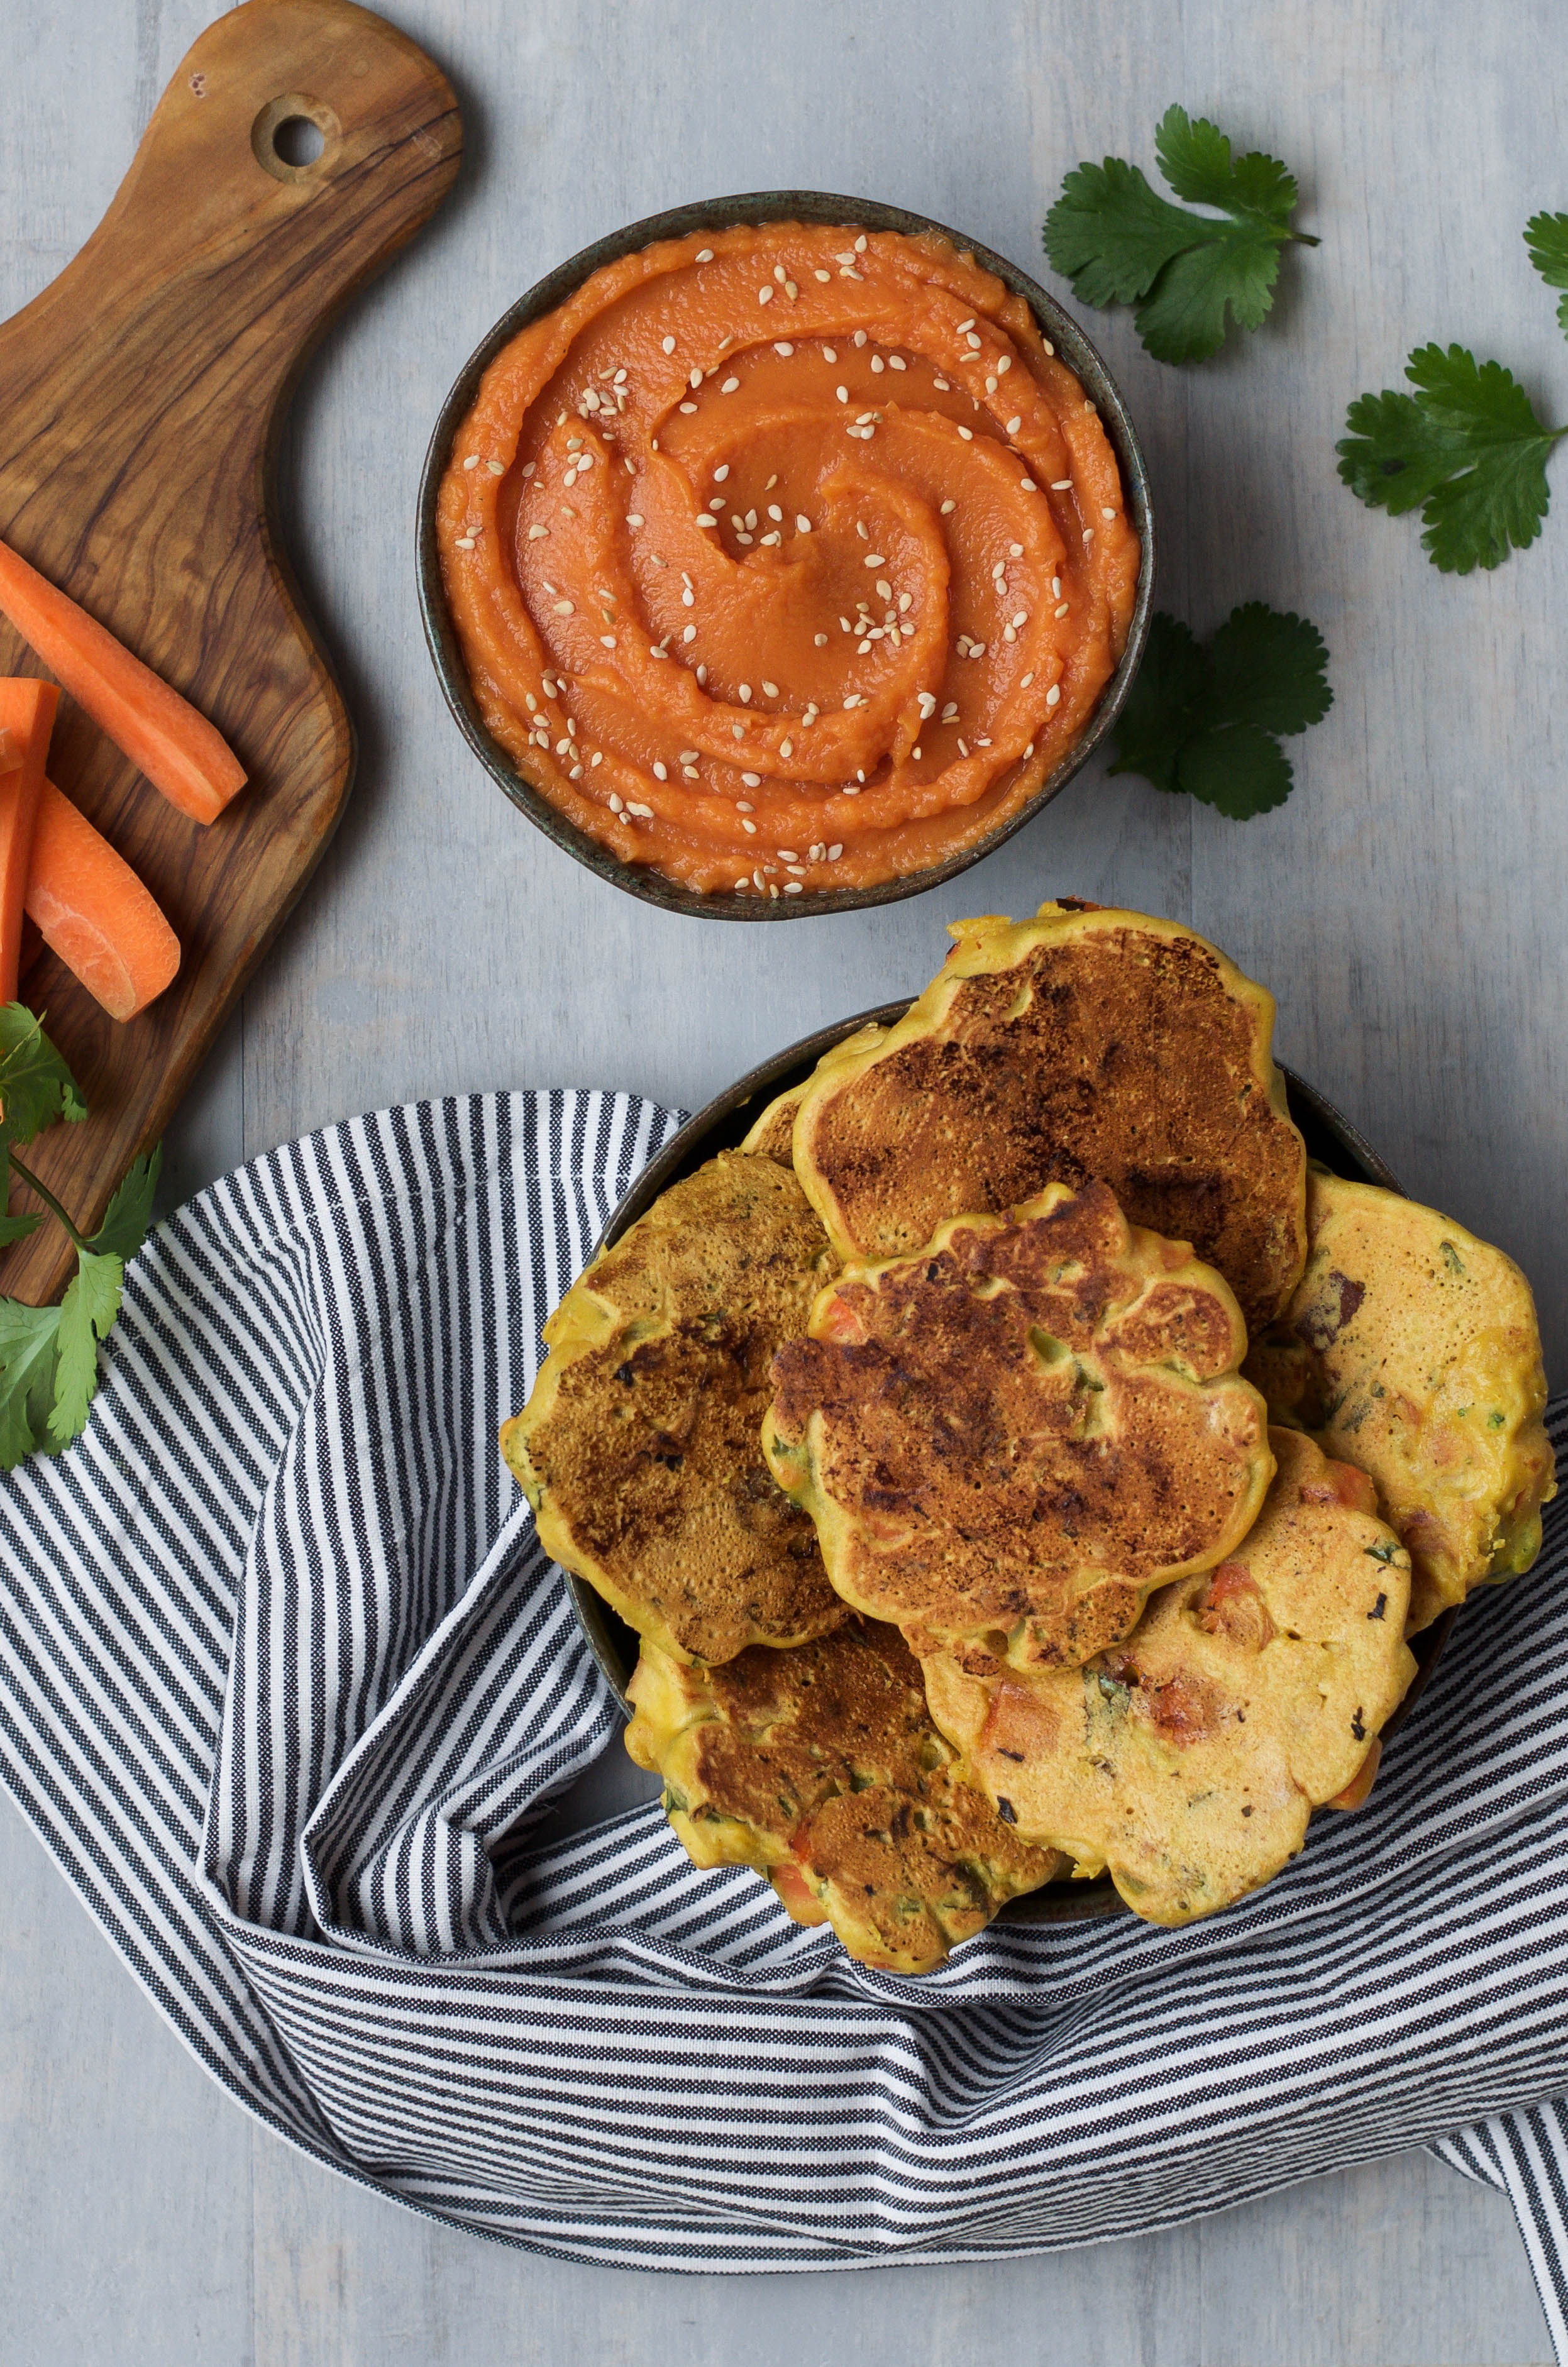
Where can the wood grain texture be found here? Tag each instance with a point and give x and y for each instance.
(1405, 906)
(142, 394)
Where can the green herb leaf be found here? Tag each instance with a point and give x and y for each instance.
(1466, 448)
(1546, 240)
(88, 1309)
(1208, 722)
(16, 1229)
(124, 1227)
(1120, 241)
(36, 1086)
(28, 1342)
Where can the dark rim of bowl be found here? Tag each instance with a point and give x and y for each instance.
(728, 1117)
(769, 206)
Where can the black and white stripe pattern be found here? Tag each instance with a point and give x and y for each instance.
(287, 1687)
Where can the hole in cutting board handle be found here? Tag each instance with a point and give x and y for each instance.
(293, 136)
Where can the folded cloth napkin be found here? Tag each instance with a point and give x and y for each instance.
(287, 1687)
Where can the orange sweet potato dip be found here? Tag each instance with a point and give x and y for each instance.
(787, 559)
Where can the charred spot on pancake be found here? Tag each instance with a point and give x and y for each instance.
(1411, 1351)
(1007, 1440)
(1081, 1046)
(638, 1446)
(1188, 1759)
(820, 1766)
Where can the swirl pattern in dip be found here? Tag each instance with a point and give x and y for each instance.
(787, 559)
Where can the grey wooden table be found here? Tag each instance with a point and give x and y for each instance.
(1404, 906)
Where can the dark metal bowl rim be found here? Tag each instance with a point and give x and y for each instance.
(757, 208)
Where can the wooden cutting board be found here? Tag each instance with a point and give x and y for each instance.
(140, 398)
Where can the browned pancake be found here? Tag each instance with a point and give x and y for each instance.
(772, 1136)
(1007, 1441)
(1412, 1350)
(820, 1766)
(640, 1446)
(1077, 1046)
(1188, 1759)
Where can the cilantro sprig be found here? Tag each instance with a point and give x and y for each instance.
(1209, 721)
(49, 1355)
(1121, 243)
(1467, 448)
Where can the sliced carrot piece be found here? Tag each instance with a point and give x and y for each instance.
(27, 713)
(162, 733)
(92, 910)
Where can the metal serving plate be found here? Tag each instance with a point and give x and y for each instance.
(724, 1124)
(718, 213)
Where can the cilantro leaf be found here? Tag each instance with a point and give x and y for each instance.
(1238, 769)
(1209, 721)
(1466, 448)
(88, 1309)
(1545, 240)
(28, 1338)
(36, 1086)
(16, 1229)
(124, 1227)
(1120, 241)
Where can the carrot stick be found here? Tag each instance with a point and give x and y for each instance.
(27, 713)
(178, 750)
(92, 910)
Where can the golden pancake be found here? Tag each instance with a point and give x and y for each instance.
(1411, 1348)
(772, 1136)
(1005, 1441)
(1188, 1760)
(1079, 1045)
(821, 1767)
(638, 1447)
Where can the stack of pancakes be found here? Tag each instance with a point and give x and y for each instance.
(1018, 1464)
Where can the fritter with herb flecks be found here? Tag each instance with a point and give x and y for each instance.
(1006, 1441)
(772, 1135)
(1188, 1759)
(1412, 1350)
(1081, 1045)
(640, 1446)
(821, 1767)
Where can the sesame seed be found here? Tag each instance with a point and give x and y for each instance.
(537, 533)
(633, 517)
(1056, 587)
(740, 887)
(688, 409)
(791, 888)
(729, 385)
(878, 364)
(885, 589)
(1014, 424)
(1026, 484)
(465, 542)
(749, 827)
(851, 789)
(596, 760)
(990, 386)
(968, 435)
(1053, 696)
(797, 868)
(841, 392)
(1061, 484)
(1063, 610)
(830, 353)
(860, 244)
(756, 880)
(786, 747)
(977, 649)
(695, 380)
(669, 344)
(803, 524)
(530, 467)
(574, 442)
(704, 518)
(1027, 680)
(823, 275)
(1021, 619)
(771, 482)
(1051, 349)
(744, 805)
(643, 813)
(742, 692)
(779, 273)
(862, 416)
(875, 559)
(1088, 534)
(916, 754)
(764, 295)
(770, 690)
(1008, 634)
(951, 709)
(787, 855)
(963, 748)
(974, 341)
(615, 805)
(702, 676)
(498, 469)
(530, 702)
(687, 599)
(963, 325)
(775, 512)
(1105, 514)
(1029, 751)
(565, 608)
(896, 361)
(853, 700)
(607, 640)
(1014, 550)
(784, 348)
(753, 781)
(941, 385)
(820, 640)
(660, 774)
(472, 460)
(704, 254)
(947, 508)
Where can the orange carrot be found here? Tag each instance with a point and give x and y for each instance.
(92, 910)
(10, 750)
(178, 750)
(27, 713)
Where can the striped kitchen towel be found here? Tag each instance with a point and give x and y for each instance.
(288, 1688)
